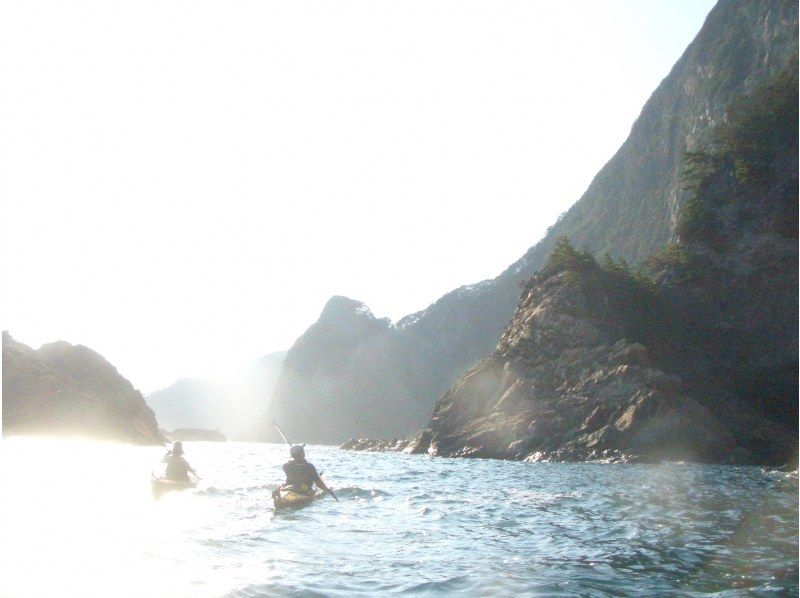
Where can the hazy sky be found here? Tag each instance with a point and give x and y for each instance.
(185, 184)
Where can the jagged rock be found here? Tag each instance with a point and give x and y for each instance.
(419, 443)
(62, 389)
(630, 354)
(563, 385)
(375, 446)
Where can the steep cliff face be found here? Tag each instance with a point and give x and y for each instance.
(565, 383)
(62, 389)
(230, 403)
(733, 276)
(629, 210)
(337, 380)
(701, 364)
(570, 380)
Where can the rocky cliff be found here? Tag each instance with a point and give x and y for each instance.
(699, 362)
(348, 353)
(62, 389)
(231, 403)
(629, 210)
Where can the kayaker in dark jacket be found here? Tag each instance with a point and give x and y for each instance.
(300, 473)
(177, 467)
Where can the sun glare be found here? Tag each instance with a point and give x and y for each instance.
(87, 518)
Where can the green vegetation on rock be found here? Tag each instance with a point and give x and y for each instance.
(693, 358)
(742, 151)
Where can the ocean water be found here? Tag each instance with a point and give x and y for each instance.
(78, 519)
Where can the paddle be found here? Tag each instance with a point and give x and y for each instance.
(290, 445)
(282, 434)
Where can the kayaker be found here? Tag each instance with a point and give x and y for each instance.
(300, 473)
(177, 467)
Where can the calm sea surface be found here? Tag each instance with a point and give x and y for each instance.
(78, 519)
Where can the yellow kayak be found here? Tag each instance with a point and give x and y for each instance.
(163, 485)
(287, 497)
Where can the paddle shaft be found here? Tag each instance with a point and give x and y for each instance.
(282, 434)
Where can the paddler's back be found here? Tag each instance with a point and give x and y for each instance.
(300, 473)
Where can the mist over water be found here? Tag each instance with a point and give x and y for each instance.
(78, 519)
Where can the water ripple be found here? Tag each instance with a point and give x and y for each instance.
(407, 525)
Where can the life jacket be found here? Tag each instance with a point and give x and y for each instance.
(177, 469)
(300, 474)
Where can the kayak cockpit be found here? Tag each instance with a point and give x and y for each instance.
(286, 497)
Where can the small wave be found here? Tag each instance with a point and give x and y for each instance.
(418, 497)
(542, 497)
(273, 589)
(781, 472)
(437, 587)
(359, 493)
(492, 528)
(215, 491)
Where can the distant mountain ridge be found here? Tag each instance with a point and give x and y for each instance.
(228, 403)
(62, 389)
(629, 210)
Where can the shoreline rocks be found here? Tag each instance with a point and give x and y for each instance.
(371, 445)
(565, 385)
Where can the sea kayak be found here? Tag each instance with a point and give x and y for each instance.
(287, 497)
(163, 485)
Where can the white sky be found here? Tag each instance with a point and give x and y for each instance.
(185, 184)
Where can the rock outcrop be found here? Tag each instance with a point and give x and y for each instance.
(417, 444)
(62, 389)
(375, 446)
(700, 363)
(566, 384)
(629, 210)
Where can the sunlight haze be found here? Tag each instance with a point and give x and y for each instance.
(186, 184)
